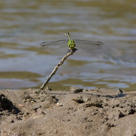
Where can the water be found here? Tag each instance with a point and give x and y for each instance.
(25, 24)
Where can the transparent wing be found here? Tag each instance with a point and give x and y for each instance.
(80, 44)
(58, 42)
(88, 45)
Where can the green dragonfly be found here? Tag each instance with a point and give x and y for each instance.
(72, 43)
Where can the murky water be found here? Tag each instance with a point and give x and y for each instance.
(25, 24)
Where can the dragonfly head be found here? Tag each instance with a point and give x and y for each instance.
(71, 44)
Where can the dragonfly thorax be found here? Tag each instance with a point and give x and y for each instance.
(71, 44)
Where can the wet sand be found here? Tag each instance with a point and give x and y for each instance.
(76, 112)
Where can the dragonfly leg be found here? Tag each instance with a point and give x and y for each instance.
(72, 50)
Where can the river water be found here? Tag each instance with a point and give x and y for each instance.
(25, 24)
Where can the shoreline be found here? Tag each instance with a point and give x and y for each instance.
(93, 112)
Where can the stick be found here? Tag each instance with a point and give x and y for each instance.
(70, 52)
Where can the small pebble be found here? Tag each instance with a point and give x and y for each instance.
(59, 104)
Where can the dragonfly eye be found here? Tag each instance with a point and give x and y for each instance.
(71, 44)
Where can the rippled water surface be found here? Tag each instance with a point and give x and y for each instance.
(25, 24)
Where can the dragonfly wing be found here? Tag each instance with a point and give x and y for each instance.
(58, 42)
(88, 45)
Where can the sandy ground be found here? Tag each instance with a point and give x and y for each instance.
(77, 112)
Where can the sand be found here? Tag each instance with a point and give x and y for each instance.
(76, 112)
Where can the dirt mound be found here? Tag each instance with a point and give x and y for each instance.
(77, 112)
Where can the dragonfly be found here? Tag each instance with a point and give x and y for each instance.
(72, 43)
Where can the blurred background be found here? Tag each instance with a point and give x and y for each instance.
(25, 24)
